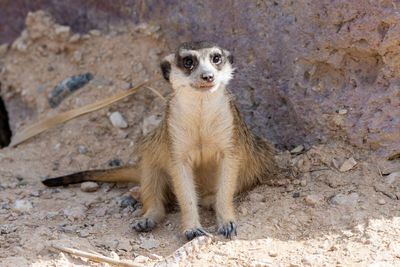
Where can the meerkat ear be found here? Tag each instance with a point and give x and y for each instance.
(166, 66)
(228, 55)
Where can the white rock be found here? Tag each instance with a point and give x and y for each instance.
(89, 186)
(22, 205)
(78, 56)
(75, 38)
(150, 123)
(95, 32)
(141, 259)
(342, 111)
(381, 201)
(314, 200)
(75, 212)
(63, 31)
(117, 120)
(348, 165)
(297, 149)
(341, 199)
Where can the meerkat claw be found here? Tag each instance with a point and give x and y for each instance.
(192, 233)
(228, 229)
(144, 225)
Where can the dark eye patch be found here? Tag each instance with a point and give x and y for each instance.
(187, 63)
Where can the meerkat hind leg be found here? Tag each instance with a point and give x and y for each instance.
(154, 191)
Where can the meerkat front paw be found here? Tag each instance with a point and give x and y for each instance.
(227, 229)
(192, 233)
(144, 225)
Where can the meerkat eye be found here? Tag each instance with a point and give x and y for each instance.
(217, 59)
(188, 62)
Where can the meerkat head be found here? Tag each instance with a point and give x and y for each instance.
(201, 66)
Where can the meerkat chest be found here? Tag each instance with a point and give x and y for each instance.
(202, 125)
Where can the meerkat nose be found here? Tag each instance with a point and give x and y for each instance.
(207, 76)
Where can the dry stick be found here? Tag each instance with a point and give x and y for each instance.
(94, 257)
(156, 92)
(42, 126)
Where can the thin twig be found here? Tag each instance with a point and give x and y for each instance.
(156, 92)
(46, 124)
(94, 257)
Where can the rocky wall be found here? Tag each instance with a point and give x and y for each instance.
(307, 71)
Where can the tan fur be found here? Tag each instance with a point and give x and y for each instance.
(201, 151)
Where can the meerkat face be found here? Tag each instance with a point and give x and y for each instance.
(200, 66)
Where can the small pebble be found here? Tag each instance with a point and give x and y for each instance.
(272, 253)
(115, 163)
(83, 233)
(22, 205)
(381, 201)
(75, 38)
(342, 111)
(19, 177)
(314, 200)
(128, 202)
(303, 182)
(34, 193)
(348, 165)
(297, 149)
(296, 195)
(117, 120)
(82, 149)
(95, 32)
(289, 188)
(89, 187)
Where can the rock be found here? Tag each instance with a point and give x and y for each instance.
(348, 165)
(89, 186)
(296, 195)
(22, 205)
(341, 199)
(272, 253)
(95, 33)
(74, 38)
(342, 111)
(141, 259)
(381, 201)
(303, 182)
(83, 233)
(314, 200)
(150, 123)
(149, 243)
(77, 56)
(117, 120)
(63, 32)
(128, 202)
(82, 149)
(297, 149)
(67, 87)
(391, 178)
(289, 188)
(309, 260)
(35, 193)
(19, 177)
(115, 163)
(75, 213)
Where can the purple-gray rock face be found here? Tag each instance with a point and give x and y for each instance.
(307, 71)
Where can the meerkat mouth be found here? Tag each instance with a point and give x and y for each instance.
(204, 87)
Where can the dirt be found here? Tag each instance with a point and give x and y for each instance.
(322, 217)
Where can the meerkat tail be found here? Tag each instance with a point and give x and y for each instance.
(123, 175)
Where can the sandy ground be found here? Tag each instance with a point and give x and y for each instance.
(328, 215)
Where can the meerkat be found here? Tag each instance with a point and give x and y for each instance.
(201, 152)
